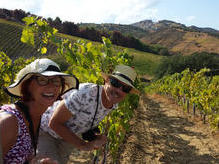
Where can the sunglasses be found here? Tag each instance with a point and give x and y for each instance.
(117, 84)
(43, 81)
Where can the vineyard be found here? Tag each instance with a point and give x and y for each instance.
(198, 90)
(10, 41)
(193, 91)
(10, 37)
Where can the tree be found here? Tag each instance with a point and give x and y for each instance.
(19, 14)
(57, 23)
(50, 21)
(91, 34)
(70, 28)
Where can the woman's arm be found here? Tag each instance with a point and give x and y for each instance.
(8, 131)
(57, 122)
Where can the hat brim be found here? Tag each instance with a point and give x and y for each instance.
(133, 90)
(71, 82)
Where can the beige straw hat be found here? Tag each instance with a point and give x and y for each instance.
(124, 74)
(45, 67)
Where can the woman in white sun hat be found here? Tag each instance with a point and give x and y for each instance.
(64, 124)
(37, 86)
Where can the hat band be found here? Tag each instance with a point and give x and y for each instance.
(124, 76)
(53, 68)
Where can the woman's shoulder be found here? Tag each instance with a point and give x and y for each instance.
(89, 89)
(7, 111)
(7, 106)
(4, 115)
(8, 120)
(10, 115)
(84, 88)
(10, 109)
(87, 86)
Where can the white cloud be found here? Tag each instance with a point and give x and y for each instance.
(176, 18)
(88, 11)
(190, 18)
(26, 5)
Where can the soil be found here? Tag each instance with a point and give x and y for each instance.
(161, 133)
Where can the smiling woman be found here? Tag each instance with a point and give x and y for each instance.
(37, 86)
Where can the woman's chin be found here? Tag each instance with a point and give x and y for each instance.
(48, 100)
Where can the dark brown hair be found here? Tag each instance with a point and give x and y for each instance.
(26, 95)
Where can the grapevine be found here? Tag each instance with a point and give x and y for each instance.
(200, 89)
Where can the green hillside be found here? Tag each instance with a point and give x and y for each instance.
(145, 63)
(10, 33)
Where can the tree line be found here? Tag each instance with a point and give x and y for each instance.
(195, 62)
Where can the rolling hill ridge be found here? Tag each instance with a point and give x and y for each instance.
(179, 38)
(164, 35)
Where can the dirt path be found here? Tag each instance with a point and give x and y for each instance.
(162, 133)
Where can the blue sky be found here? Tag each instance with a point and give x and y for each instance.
(201, 13)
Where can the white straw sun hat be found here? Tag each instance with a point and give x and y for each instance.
(45, 67)
(124, 74)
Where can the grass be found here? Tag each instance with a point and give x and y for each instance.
(144, 62)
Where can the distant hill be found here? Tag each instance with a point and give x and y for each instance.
(179, 38)
(124, 29)
(151, 26)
